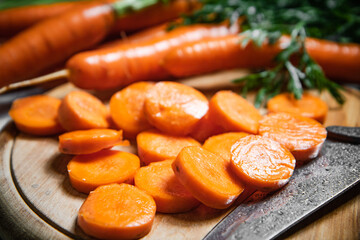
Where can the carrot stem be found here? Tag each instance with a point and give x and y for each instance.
(125, 6)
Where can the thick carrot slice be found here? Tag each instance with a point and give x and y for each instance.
(207, 176)
(80, 110)
(205, 128)
(175, 108)
(90, 171)
(262, 162)
(159, 181)
(221, 144)
(308, 106)
(234, 113)
(154, 146)
(36, 115)
(127, 108)
(303, 136)
(89, 141)
(117, 211)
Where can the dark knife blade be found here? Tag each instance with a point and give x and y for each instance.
(313, 185)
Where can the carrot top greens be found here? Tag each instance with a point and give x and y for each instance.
(336, 20)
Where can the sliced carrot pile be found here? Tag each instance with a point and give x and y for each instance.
(234, 113)
(154, 146)
(127, 108)
(262, 162)
(308, 106)
(205, 128)
(303, 136)
(36, 115)
(159, 181)
(207, 176)
(89, 141)
(117, 211)
(175, 108)
(221, 144)
(87, 172)
(80, 110)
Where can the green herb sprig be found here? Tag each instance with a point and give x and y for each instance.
(268, 20)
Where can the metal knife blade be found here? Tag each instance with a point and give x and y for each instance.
(313, 185)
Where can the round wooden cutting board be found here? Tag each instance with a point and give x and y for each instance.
(38, 202)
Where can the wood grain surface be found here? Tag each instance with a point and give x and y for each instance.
(38, 202)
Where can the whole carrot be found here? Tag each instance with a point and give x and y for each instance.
(54, 40)
(339, 61)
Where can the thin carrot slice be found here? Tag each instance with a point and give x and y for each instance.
(89, 141)
(36, 115)
(117, 211)
(175, 108)
(80, 110)
(207, 176)
(159, 181)
(205, 128)
(221, 144)
(303, 136)
(262, 162)
(90, 171)
(234, 113)
(308, 106)
(154, 146)
(127, 108)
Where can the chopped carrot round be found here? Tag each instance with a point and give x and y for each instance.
(154, 146)
(262, 162)
(234, 113)
(89, 141)
(221, 144)
(117, 211)
(206, 128)
(80, 110)
(308, 106)
(159, 181)
(175, 108)
(127, 108)
(303, 136)
(87, 172)
(36, 115)
(207, 176)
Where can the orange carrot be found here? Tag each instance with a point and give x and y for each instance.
(175, 108)
(159, 181)
(80, 110)
(36, 115)
(234, 113)
(117, 211)
(90, 171)
(124, 64)
(205, 128)
(207, 176)
(221, 144)
(89, 141)
(262, 163)
(154, 146)
(339, 61)
(303, 136)
(127, 108)
(308, 106)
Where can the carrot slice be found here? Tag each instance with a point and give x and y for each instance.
(80, 110)
(127, 108)
(205, 128)
(262, 162)
(154, 146)
(303, 136)
(117, 211)
(175, 108)
(87, 172)
(308, 106)
(221, 144)
(234, 113)
(207, 176)
(89, 141)
(159, 181)
(36, 115)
